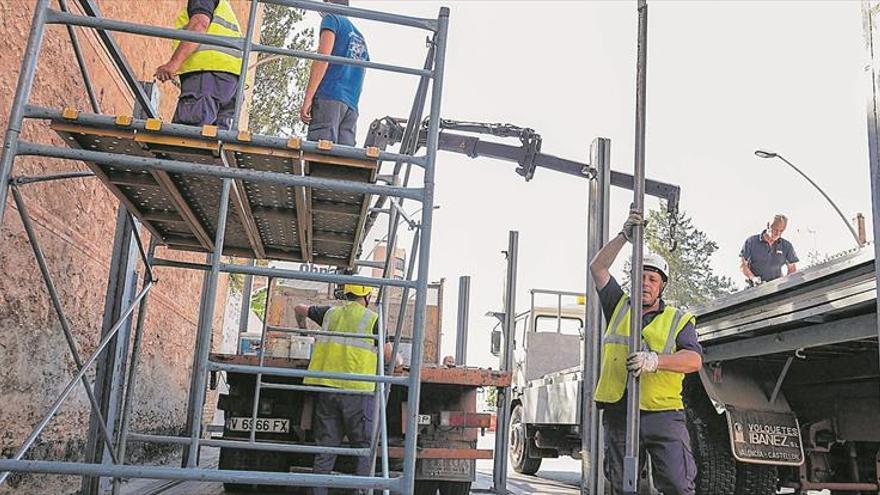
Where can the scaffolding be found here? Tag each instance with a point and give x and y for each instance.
(226, 193)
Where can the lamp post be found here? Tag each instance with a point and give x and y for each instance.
(770, 154)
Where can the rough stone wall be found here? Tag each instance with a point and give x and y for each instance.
(75, 221)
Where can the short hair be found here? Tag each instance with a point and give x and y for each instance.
(779, 217)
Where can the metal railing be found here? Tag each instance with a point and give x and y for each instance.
(430, 74)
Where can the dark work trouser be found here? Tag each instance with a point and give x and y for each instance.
(665, 437)
(206, 98)
(334, 121)
(337, 415)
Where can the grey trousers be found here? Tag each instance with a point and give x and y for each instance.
(334, 121)
(665, 437)
(206, 98)
(337, 415)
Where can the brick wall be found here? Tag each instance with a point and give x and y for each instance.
(75, 220)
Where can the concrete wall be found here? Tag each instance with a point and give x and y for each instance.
(74, 220)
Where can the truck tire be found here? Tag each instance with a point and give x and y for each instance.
(520, 445)
(755, 479)
(426, 487)
(716, 467)
(455, 487)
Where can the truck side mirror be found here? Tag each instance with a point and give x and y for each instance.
(495, 348)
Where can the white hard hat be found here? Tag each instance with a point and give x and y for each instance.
(657, 263)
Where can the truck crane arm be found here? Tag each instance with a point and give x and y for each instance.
(388, 131)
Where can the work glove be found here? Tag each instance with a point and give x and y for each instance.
(635, 218)
(754, 281)
(642, 362)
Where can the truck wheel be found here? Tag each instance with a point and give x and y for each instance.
(716, 468)
(424, 487)
(455, 487)
(521, 445)
(755, 479)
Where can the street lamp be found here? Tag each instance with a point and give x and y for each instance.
(770, 154)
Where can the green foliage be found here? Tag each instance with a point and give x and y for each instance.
(281, 81)
(258, 303)
(692, 281)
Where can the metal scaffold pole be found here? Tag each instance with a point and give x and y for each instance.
(597, 236)
(502, 428)
(631, 455)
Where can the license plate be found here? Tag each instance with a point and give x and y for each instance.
(263, 425)
(764, 437)
(445, 469)
(424, 419)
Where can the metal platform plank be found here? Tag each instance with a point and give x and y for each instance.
(265, 221)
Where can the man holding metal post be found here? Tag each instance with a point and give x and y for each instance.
(330, 105)
(669, 350)
(208, 74)
(343, 414)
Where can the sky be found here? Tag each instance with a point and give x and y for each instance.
(724, 79)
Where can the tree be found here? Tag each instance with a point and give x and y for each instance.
(692, 281)
(281, 80)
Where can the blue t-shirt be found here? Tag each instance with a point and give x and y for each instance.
(765, 259)
(344, 82)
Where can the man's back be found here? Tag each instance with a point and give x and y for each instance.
(344, 82)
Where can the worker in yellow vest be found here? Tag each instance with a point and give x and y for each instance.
(208, 73)
(669, 351)
(343, 414)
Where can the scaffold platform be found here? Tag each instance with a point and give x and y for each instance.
(275, 221)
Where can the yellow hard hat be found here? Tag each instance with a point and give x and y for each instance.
(358, 290)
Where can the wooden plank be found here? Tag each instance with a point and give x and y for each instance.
(187, 145)
(478, 377)
(440, 453)
(241, 203)
(337, 160)
(262, 150)
(303, 197)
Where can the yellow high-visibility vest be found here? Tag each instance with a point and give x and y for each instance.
(342, 354)
(210, 57)
(659, 391)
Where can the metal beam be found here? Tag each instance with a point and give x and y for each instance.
(461, 333)
(834, 332)
(110, 368)
(502, 429)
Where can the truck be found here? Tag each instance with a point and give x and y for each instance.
(787, 398)
(449, 423)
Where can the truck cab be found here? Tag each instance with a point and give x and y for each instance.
(548, 344)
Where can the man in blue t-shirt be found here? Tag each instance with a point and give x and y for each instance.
(763, 255)
(330, 105)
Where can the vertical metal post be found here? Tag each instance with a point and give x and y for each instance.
(190, 407)
(110, 369)
(869, 12)
(380, 396)
(245, 56)
(461, 333)
(415, 374)
(20, 99)
(597, 236)
(258, 381)
(246, 294)
(203, 338)
(125, 419)
(504, 400)
(631, 456)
